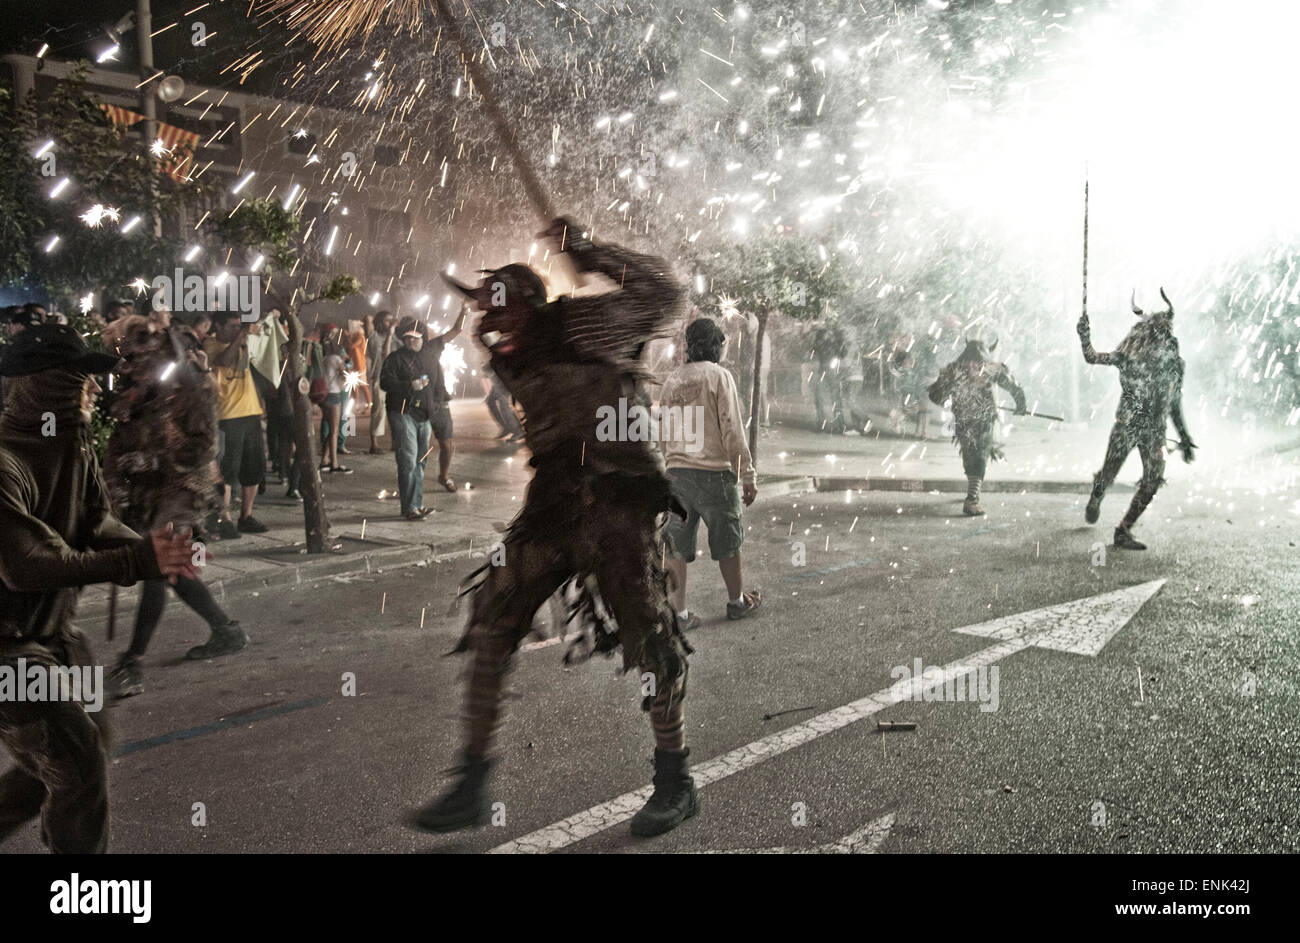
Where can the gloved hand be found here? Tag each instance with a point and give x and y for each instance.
(1021, 411)
(1188, 448)
(1084, 328)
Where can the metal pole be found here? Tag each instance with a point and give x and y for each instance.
(144, 40)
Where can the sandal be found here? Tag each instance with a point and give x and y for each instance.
(748, 603)
(448, 483)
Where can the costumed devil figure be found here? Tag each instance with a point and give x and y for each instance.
(592, 519)
(159, 470)
(1151, 385)
(969, 381)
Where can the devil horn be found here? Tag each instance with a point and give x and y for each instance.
(1170, 312)
(1134, 305)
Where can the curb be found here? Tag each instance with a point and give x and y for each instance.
(957, 485)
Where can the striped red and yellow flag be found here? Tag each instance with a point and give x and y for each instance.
(121, 118)
(179, 143)
(180, 146)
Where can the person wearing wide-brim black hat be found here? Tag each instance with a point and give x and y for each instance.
(58, 534)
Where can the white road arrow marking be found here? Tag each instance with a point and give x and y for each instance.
(1080, 627)
(865, 841)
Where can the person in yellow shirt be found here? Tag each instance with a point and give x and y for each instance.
(242, 455)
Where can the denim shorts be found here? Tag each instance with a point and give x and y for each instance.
(712, 497)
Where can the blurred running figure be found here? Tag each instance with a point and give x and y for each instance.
(704, 471)
(159, 472)
(1151, 385)
(591, 518)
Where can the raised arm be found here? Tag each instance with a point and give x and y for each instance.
(457, 327)
(644, 306)
(1090, 354)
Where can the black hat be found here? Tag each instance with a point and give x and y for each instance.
(409, 325)
(47, 346)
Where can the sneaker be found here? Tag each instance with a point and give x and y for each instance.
(341, 470)
(251, 525)
(971, 508)
(228, 531)
(674, 800)
(690, 622)
(417, 515)
(294, 494)
(1124, 540)
(126, 680)
(465, 805)
(748, 603)
(224, 640)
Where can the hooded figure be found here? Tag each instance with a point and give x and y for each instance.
(591, 519)
(969, 382)
(57, 534)
(1151, 393)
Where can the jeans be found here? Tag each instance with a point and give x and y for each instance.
(411, 438)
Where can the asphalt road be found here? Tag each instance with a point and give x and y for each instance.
(1079, 756)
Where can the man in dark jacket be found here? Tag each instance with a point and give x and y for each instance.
(404, 382)
(57, 534)
(417, 402)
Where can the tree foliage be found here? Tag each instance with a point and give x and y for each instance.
(103, 168)
(788, 273)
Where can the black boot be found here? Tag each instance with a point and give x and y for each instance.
(1124, 540)
(126, 680)
(675, 799)
(1093, 511)
(224, 640)
(465, 805)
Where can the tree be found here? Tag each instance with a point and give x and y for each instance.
(789, 273)
(266, 228)
(110, 177)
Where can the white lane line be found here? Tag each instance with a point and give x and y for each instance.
(1071, 627)
(865, 841)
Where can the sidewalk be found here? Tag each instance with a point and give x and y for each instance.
(792, 456)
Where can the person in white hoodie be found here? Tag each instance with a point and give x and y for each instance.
(702, 436)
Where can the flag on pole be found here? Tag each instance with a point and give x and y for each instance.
(178, 142)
